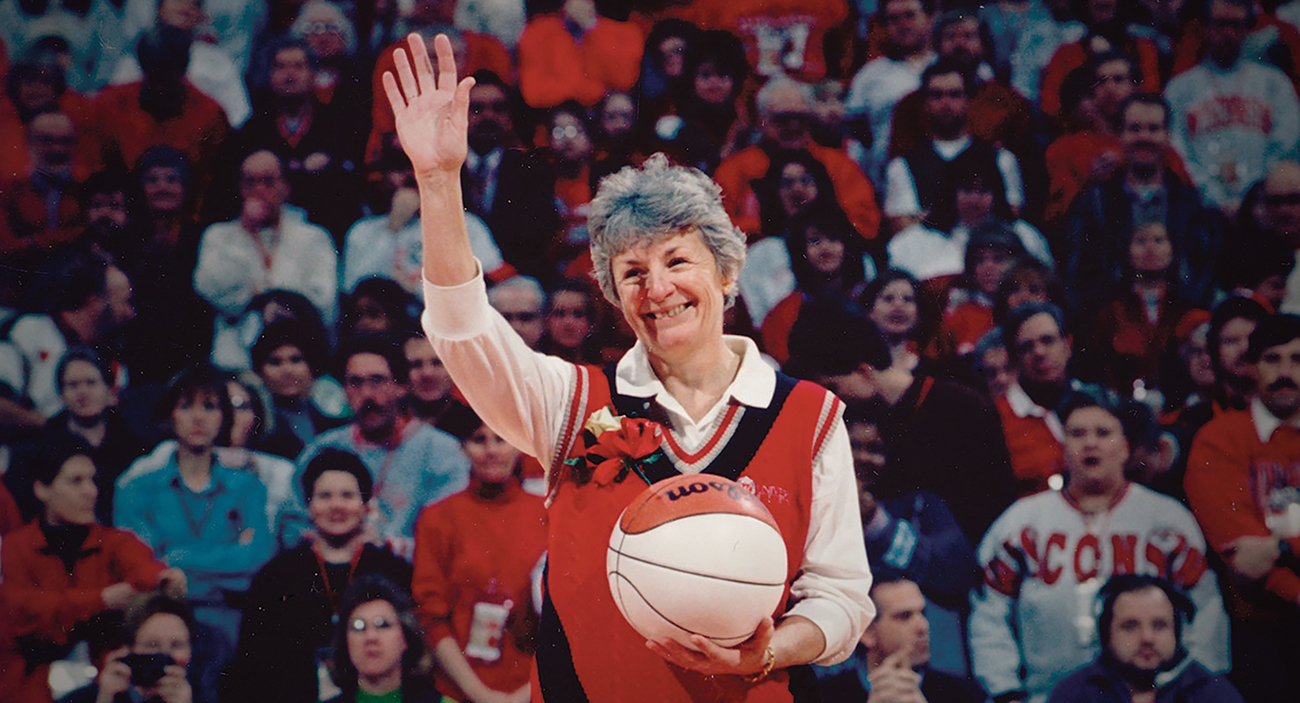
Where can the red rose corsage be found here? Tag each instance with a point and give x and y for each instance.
(615, 446)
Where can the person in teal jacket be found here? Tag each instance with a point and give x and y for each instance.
(198, 515)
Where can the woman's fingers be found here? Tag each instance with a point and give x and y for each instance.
(409, 85)
(460, 103)
(395, 99)
(423, 68)
(446, 62)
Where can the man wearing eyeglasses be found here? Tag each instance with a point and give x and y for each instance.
(411, 462)
(269, 245)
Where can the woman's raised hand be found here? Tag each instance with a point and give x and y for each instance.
(432, 114)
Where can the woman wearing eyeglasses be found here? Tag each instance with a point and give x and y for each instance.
(379, 653)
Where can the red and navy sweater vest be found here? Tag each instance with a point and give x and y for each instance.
(586, 650)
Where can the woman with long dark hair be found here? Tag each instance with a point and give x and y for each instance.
(379, 649)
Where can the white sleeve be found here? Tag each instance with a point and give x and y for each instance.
(900, 190)
(225, 271)
(1010, 169)
(1207, 635)
(995, 650)
(832, 588)
(224, 84)
(126, 70)
(1286, 117)
(520, 393)
(766, 278)
(855, 103)
(353, 248)
(1034, 243)
(318, 272)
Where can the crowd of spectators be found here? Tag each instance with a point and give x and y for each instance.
(1044, 250)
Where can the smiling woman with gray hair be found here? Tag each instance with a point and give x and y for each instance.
(700, 401)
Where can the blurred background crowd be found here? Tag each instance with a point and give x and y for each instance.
(1045, 250)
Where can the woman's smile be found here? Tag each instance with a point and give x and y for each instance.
(674, 312)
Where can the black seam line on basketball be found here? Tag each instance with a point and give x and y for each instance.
(669, 620)
(692, 573)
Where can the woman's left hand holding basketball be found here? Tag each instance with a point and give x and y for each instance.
(707, 657)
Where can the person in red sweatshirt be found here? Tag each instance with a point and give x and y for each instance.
(1243, 485)
(65, 573)
(475, 554)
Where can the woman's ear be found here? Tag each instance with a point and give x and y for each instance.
(41, 491)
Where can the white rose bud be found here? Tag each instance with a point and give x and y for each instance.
(602, 420)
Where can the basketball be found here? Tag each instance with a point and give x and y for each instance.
(696, 554)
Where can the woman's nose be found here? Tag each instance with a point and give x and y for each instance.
(658, 286)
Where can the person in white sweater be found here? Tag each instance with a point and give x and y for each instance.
(1045, 559)
(269, 246)
(1232, 118)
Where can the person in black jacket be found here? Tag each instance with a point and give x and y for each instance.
(1144, 190)
(1142, 658)
(891, 664)
(294, 602)
(156, 625)
(835, 345)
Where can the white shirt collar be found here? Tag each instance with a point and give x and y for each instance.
(1023, 406)
(1266, 423)
(754, 384)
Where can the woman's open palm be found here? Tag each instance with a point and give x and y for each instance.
(432, 117)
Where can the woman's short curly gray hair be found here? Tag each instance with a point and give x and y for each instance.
(637, 205)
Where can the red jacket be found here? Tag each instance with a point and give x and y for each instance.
(554, 67)
(1036, 453)
(1235, 484)
(124, 131)
(40, 599)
